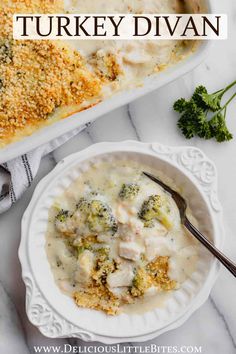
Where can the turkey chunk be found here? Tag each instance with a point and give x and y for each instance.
(158, 246)
(121, 278)
(130, 250)
(84, 267)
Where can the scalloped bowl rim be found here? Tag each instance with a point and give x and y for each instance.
(136, 147)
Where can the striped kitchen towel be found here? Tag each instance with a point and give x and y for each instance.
(17, 175)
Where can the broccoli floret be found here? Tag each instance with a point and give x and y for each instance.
(150, 208)
(98, 216)
(62, 216)
(155, 208)
(141, 283)
(129, 191)
(63, 222)
(80, 250)
(84, 205)
(84, 243)
(103, 252)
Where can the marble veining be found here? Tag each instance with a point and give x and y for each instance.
(228, 329)
(148, 119)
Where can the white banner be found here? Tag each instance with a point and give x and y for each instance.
(120, 26)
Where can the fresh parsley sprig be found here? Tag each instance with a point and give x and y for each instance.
(204, 115)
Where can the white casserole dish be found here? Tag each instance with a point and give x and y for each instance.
(77, 120)
(54, 313)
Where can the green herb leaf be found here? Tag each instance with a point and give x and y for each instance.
(219, 128)
(203, 115)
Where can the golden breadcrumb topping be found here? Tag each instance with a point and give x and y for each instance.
(97, 295)
(158, 270)
(36, 77)
(98, 298)
(11, 7)
(32, 6)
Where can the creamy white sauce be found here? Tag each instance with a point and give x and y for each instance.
(135, 59)
(147, 303)
(106, 179)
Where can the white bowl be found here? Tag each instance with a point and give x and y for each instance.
(54, 313)
(77, 120)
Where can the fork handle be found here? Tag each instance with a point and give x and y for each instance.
(230, 265)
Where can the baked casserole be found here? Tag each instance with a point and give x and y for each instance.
(44, 81)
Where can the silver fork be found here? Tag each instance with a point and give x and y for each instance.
(182, 206)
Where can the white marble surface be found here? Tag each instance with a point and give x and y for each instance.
(149, 119)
